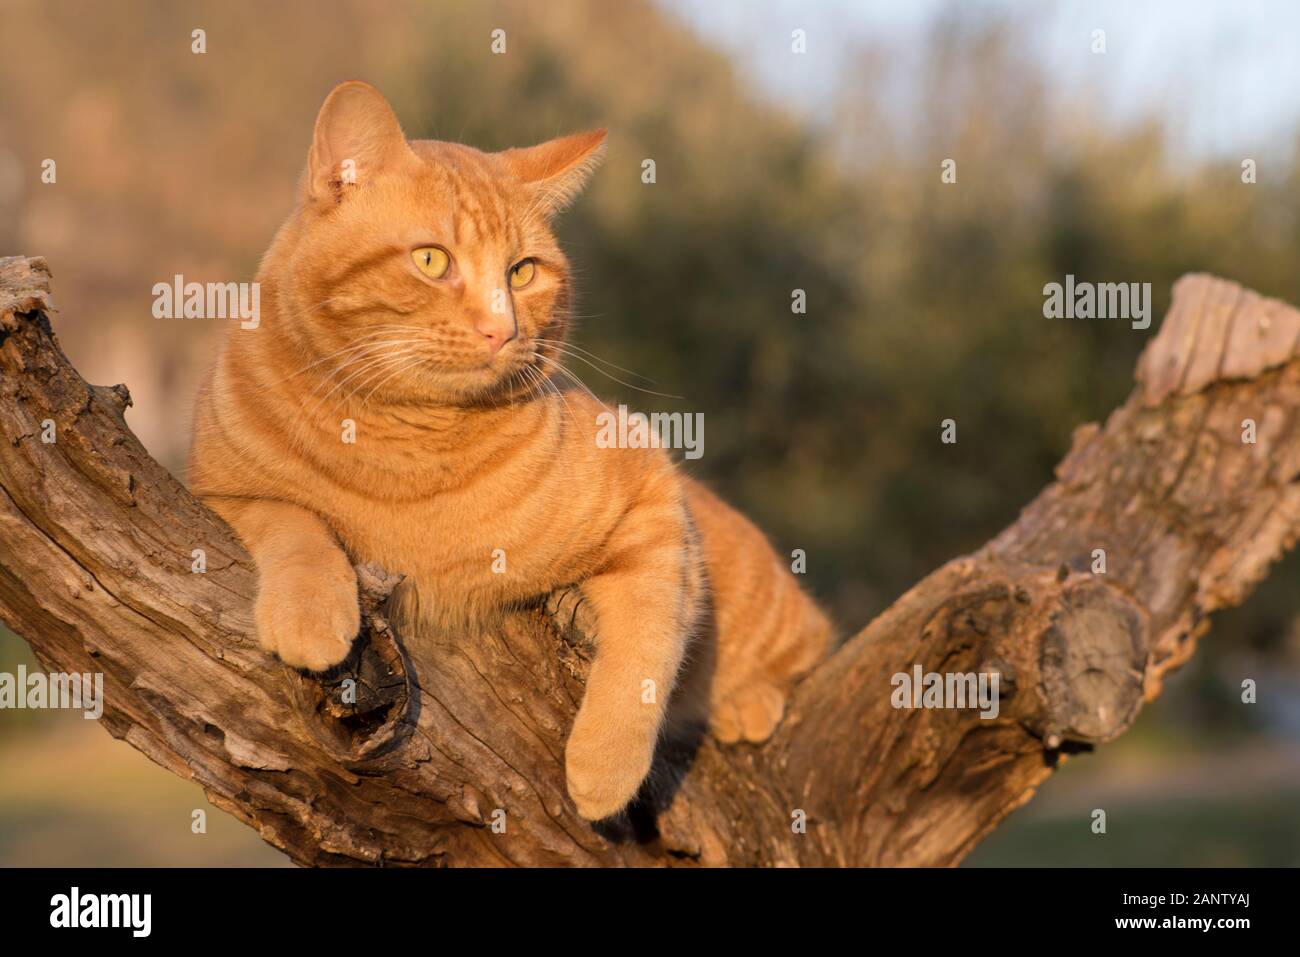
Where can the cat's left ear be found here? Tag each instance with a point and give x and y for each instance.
(356, 137)
(557, 169)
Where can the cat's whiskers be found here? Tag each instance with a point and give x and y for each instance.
(524, 374)
(529, 377)
(562, 345)
(374, 350)
(511, 385)
(368, 372)
(555, 390)
(562, 351)
(546, 377)
(567, 373)
(368, 365)
(521, 377)
(417, 361)
(357, 343)
(372, 364)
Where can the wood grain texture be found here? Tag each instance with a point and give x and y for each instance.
(445, 733)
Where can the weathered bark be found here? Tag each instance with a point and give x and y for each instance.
(96, 550)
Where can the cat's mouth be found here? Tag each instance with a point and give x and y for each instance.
(514, 369)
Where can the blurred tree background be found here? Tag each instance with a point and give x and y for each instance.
(924, 303)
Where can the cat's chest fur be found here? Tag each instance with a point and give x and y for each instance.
(525, 513)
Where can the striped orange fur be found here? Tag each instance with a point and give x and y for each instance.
(380, 413)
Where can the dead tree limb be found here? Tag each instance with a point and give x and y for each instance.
(97, 552)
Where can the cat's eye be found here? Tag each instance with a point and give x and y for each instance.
(522, 273)
(432, 261)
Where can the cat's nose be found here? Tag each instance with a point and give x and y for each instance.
(497, 330)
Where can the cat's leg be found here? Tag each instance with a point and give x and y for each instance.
(761, 662)
(768, 632)
(306, 609)
(644, 609)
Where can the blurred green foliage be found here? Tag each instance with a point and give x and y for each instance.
(1255, 831)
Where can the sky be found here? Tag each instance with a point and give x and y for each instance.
(1225, 72)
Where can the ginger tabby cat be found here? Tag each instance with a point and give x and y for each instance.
(418, 290)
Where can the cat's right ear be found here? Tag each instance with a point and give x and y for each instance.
(357, 136)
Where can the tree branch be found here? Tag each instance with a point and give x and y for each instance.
(450, 735)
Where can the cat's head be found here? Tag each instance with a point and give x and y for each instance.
(425, 270)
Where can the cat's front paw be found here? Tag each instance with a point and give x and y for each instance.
(308, 616)
(604, 771)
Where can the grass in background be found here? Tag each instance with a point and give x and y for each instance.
(71, 795)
